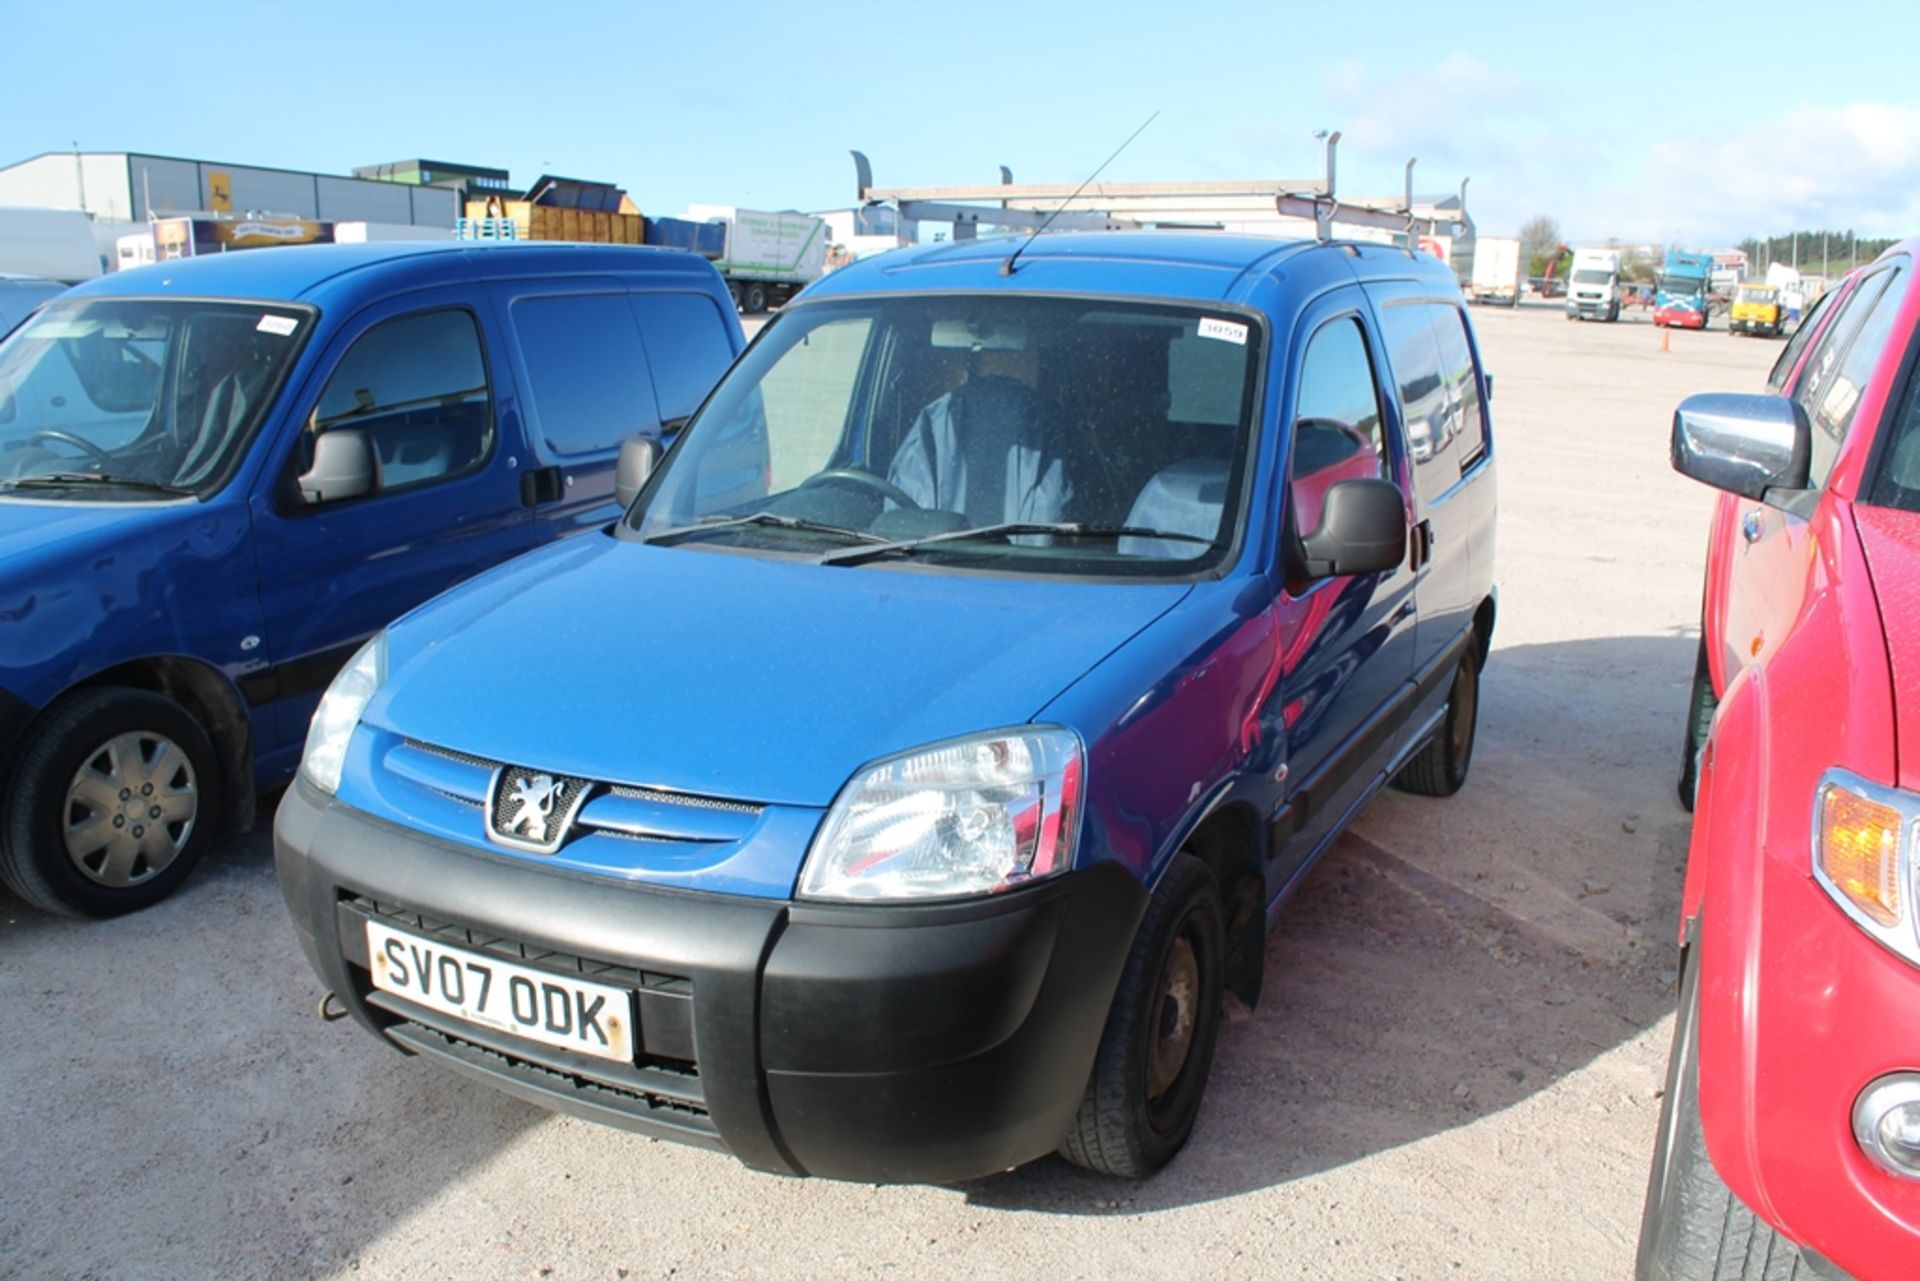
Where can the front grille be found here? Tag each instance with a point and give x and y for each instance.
(654, 795)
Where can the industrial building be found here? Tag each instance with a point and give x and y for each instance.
(123, 187)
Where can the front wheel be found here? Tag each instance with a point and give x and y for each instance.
(1692, 1227)
(1440, 768)
(1157, 1049)
(113, 802)
(1701, 705)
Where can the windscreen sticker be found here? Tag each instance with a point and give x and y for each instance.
(1225, 330)
(281, 325)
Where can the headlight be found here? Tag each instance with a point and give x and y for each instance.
(973, 816)
(1863, 836)
(339, 711)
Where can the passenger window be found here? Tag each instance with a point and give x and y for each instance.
(1337, 432)
(810, 391)
(1414, 353)
(687, 346)
(417, 386)
(1802, 335)
(1843, 363)
(1468, 415)
(586, 370)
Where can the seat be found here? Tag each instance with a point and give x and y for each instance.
(1186, 498)
(982, 450)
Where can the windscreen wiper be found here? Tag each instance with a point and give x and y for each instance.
(1059, 529)
(772, 520)
(87, 479)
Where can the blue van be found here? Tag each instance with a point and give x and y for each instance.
(896, 791)
(219, 477)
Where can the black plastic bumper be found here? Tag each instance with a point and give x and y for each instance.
(884, 1044)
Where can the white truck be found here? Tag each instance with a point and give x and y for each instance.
(53, 244)
(769, 257)
(1593, 286)
(1496, 271)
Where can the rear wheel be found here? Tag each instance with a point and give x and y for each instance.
(1692, 1227)
(756, 295)
(1440, 768)
(1157, 1049)
(113, 802)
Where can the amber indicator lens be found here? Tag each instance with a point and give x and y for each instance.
(1860, 852)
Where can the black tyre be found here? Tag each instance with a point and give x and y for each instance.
(113, 801)
(1157, 1049)
(1701, 705)
(1693, 1228)
(733, 292)
(756, 298)
(1440, 768)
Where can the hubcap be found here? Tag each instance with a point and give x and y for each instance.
(130, 809)
(1173, 1018)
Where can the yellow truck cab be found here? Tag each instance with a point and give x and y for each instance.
(1756, 310)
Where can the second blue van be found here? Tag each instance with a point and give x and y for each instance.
(219, 477)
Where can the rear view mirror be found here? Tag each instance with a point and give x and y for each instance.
(639, 455)
(1363, 530)
(1743, 444)
(344, 466)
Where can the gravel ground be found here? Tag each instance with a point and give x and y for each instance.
(1453, 1072)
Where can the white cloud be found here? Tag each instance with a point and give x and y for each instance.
(1839, 167)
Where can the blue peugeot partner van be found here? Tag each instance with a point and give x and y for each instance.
(895, 791)
(219, 477)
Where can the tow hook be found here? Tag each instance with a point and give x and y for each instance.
(332, 1009)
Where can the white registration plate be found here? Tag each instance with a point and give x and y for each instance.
(553, 1009)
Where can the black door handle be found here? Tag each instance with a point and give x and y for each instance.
(541, 485)
(1422, 543)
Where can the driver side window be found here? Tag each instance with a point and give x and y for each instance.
(1337, 430)
(416, 387)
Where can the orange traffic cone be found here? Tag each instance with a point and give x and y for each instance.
(1666, 338)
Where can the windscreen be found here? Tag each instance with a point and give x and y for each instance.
(122, 397)
(1591, 276)
(1114, 435)
(1682, 285)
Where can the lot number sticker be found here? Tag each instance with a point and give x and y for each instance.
(1225, 330)
(281, 325)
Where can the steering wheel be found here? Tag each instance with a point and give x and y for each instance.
(93, 452)
(861, 480)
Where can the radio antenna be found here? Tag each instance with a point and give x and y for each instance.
(1006, 268)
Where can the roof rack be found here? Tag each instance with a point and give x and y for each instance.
(1325, 209)
(1209, 204)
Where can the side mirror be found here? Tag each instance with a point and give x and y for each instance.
(1744, 444)
(639, 455)
(1363, 530)
(344, 466)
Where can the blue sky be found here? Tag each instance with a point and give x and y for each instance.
(1669, 122)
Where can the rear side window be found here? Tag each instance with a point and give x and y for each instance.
(1462, 383)
(1414, 355)
(417, 385)
(586, 370)
(687, 346)
(1842, 364)
(1337, 431)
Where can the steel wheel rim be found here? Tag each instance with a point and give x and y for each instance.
(1175, 1015)
(1460, 730)
(130, 809)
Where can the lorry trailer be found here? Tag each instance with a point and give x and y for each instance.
(1496, 271)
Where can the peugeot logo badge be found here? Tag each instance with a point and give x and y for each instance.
(532, 810)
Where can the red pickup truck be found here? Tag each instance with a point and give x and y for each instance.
(1789, 1142)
